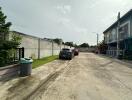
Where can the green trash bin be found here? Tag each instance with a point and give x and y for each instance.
(25, 67)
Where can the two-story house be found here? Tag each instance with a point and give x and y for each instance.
(124, 33)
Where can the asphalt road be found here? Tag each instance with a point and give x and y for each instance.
(86, 77)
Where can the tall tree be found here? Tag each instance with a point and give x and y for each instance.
(69, 44)
(102, 47)
(58, 41)
(4, 26)
(85, 45)
(7, 47)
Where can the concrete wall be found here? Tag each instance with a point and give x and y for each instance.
(30, 45)
(9, 71)
(38, 48)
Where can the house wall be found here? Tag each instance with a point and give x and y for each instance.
(131, 25)
(111, 35)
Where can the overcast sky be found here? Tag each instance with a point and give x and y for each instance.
(71, 20)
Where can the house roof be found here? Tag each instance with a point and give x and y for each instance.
(122, 18)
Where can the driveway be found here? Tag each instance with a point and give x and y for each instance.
(86, 77)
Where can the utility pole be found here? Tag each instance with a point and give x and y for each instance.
(118, 26)
(97, 39)
(39, 48)
(97, 42)
(52, 47)
(60, 44)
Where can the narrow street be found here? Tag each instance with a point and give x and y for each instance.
(86, 77)
(65, 49)
(90, 77)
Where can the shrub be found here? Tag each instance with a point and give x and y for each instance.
(7, 47)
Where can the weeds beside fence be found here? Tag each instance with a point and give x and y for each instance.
(11, 56)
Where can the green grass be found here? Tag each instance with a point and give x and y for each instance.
(39, 62)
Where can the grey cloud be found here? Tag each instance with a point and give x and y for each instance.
(72, 20)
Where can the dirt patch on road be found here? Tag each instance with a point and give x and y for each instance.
(24, 88)
(45, 84)
(22, 84)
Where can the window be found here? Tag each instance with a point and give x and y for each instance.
(108, 39)
(123, 31)
(114, 35)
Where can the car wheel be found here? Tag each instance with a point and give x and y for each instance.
(70, 58)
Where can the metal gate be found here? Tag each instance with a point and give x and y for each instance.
(19, 53)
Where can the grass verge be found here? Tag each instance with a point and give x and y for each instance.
(39, 62)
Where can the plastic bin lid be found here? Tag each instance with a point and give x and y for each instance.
(26, 60)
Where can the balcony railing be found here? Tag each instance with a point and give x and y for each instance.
(113, 53)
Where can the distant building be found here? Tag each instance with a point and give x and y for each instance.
(125, 35)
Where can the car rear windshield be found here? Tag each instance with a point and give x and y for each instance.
(65, 49)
